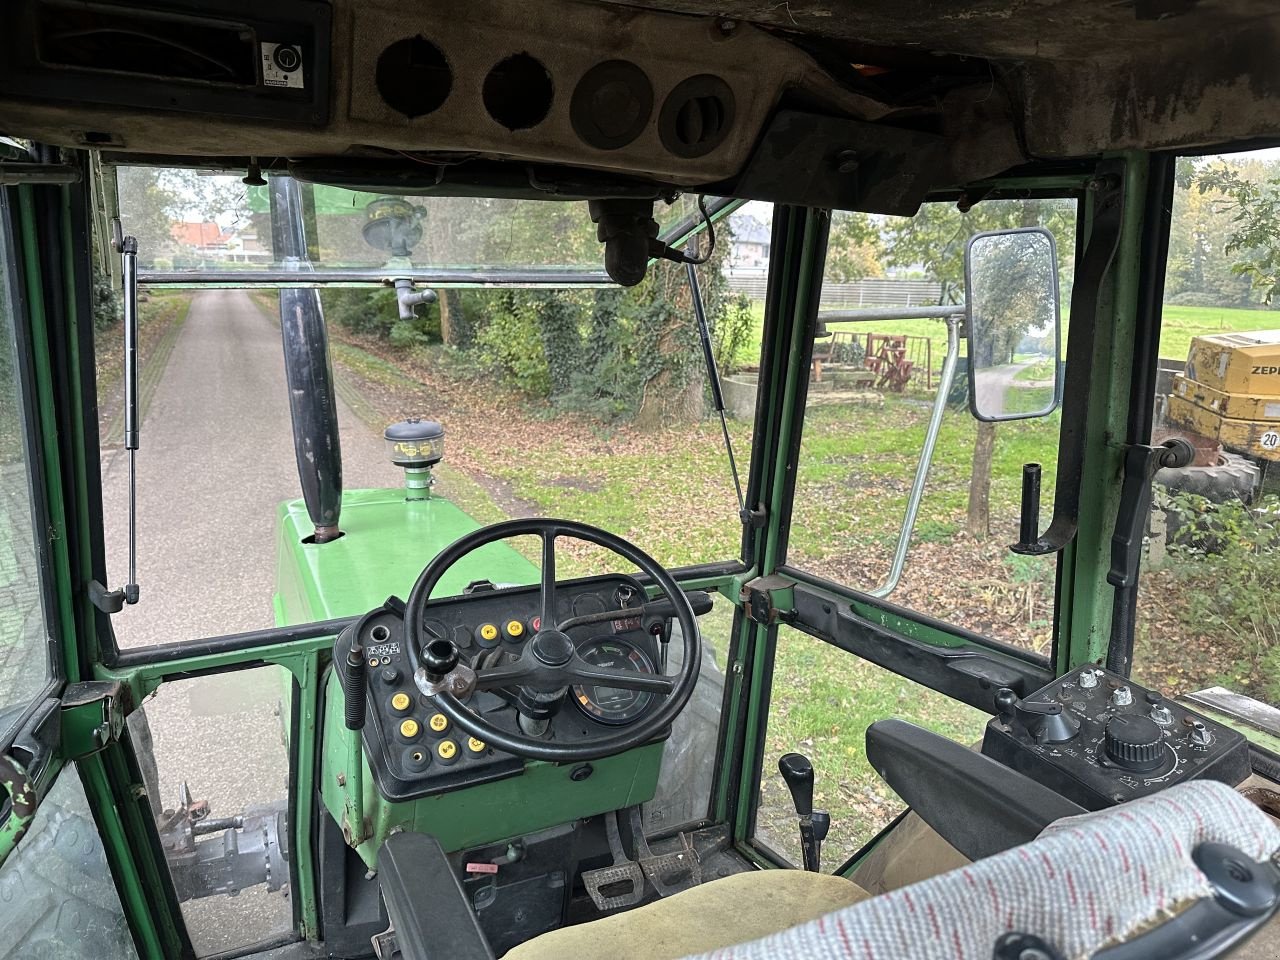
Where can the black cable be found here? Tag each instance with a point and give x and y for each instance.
(711, 233)
(713, 375)
(665, 251)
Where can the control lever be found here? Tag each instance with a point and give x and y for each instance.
(797, 771)
(1140, 465)
(1045, 720)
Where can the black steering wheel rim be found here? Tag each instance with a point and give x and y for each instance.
(646, 729)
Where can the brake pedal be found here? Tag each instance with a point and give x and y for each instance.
(624, 870)
(668, 872)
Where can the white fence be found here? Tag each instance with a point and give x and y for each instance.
(862, 293)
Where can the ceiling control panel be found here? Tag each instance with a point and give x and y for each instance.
(415, 751)
(1100, 739)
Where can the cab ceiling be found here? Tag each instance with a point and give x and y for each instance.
(850, 103)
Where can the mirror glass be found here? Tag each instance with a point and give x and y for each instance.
(1011, 279)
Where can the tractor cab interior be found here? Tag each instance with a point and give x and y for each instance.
(487, 480)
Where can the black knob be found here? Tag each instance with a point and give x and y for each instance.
(390, 676)
(438, 658)
(1134, 742)
(797, 771)
(1046, 721)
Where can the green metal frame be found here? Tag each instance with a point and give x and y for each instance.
(111, 777)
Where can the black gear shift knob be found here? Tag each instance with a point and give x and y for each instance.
(797, 771)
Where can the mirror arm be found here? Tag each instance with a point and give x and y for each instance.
(1104, 239)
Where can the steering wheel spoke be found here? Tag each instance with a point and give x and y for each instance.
(583, 672)
(507, 675)
(548, 592)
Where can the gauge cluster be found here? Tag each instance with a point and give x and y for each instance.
(414, 750)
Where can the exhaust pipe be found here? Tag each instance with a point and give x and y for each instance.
(312, 405)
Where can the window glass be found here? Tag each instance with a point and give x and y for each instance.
(1208, 612)
(24, 635)
(215, 762)
(587, 404)
(823, 700)
(871, 393)
(57, 896)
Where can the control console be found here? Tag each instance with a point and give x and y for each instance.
(414, 750)
(1100, 739)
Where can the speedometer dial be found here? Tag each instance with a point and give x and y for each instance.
(613, 705)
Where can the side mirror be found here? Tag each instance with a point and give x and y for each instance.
(1013, 324)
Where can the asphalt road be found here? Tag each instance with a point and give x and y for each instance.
(216, 460)
(991, 385)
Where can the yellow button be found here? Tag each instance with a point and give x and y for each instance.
(477, 746)
(401, 702)
(515, 629)
(488, 632)
(409, 728)
(439, 723)
(447, 749)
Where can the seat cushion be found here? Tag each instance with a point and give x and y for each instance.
(718, 914)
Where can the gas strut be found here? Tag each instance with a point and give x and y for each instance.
(127, 247)
(113, 601)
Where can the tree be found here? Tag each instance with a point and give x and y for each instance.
(854, 248)
(1249, 195)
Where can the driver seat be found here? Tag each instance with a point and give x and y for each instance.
(1191, 871)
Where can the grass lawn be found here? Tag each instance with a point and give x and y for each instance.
(1179, 324)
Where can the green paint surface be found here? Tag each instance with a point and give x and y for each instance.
(543, 796)
(387, 542)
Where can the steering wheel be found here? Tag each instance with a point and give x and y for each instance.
(549, 662)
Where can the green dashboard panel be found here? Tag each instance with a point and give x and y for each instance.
(544, 795)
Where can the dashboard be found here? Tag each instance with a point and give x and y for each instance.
(414, 751)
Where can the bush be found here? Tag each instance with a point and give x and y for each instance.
(507, 342)
(1227, 563)
(375, 313)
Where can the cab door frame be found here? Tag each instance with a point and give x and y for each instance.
(909, 643)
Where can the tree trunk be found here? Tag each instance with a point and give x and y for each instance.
(454, 330)
(978, 524)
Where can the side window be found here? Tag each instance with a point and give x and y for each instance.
(872, 389)
(871, 392)
(822, 703)
(1208, 609)
(24, 633)
(57, 896)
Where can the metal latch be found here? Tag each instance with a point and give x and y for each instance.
(92, 717)
(765, 599)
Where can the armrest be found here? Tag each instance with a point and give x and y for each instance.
(425, 902)
(976, 804)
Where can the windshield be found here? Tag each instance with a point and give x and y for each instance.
(201, 222)
(591, 403)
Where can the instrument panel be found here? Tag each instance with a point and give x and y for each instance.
(414, 751)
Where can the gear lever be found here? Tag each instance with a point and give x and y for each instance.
(797, 771)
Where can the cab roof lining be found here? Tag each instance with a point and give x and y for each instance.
(866, 104)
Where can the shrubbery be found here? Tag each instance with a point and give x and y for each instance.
(594, 351)
(1226, 558)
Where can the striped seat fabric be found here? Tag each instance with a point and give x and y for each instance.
(1086, 882)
